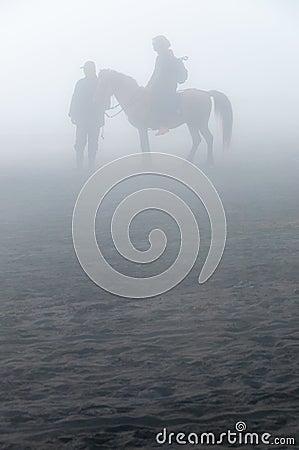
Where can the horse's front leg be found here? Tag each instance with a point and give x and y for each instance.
(144, 140)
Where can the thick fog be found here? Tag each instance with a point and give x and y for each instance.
(247, 49)
(83, 367)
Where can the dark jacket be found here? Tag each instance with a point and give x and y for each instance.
(84, 110)
(164, 77)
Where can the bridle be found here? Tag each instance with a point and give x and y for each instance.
(121, 110)
(116, 114)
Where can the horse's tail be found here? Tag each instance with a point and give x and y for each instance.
(224, 110)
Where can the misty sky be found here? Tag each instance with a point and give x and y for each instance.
(247, 49)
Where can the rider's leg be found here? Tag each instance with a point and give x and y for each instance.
(168, 110)
(81, 139)
(163, 116)
(160, 109)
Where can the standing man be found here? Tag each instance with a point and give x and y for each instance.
(85, 114)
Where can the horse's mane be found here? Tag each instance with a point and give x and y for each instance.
(131, 81)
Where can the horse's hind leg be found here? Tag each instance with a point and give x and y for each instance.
(196, 139)
(208, 137)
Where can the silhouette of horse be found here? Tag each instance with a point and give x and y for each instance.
(195, 109)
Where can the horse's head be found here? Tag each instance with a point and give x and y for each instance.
(105, 88)
(111, 82)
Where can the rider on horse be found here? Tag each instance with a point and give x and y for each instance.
(163, 84)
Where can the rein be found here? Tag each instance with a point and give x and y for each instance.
(121, 110)
(113, 115)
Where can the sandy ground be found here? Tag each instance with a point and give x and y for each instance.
(83, 369)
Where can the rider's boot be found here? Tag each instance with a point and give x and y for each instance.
(162, 130)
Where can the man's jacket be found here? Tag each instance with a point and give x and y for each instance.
(84, 109)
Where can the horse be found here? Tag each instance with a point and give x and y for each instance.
(195, 110)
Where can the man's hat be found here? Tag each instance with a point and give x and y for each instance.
(88, 65)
